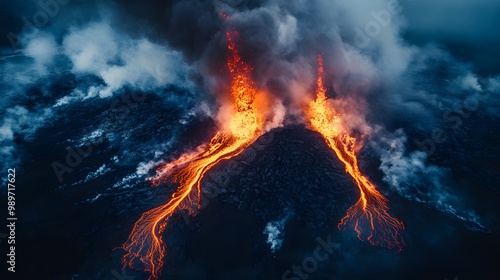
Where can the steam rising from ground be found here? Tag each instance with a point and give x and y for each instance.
(95, 49)
(412, 178)
(275, 231)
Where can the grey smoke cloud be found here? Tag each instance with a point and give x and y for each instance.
(375, 86)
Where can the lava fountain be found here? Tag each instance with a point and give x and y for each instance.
(369, 217)
(145, 248)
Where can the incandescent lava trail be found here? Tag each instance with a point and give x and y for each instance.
(145, 246)
(369, 216)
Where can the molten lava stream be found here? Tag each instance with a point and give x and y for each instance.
(369, 217)
(145, 247)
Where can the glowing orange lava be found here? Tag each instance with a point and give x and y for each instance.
(145, 246)
(369, 217)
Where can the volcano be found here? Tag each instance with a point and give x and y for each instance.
(288, 167)
(242, 121)
(288, 172)
(258, 140)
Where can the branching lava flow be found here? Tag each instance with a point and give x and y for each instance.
(145, 246)
(369, 217)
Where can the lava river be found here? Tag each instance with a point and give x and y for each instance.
(145, 246)
(369, 217)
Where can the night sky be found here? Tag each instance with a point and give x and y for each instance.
(97, 95)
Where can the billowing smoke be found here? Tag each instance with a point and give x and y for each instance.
(379, 83)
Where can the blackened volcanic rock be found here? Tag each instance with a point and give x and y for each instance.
(288, 175)
(287, 168)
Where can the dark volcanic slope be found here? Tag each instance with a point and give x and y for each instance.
(289, 172)
(290, 168)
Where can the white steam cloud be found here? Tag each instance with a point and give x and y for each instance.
(412, 178)
(95, 49)
(120, 60)
(275, 231)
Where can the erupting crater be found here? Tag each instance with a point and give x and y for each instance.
(369, 216)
